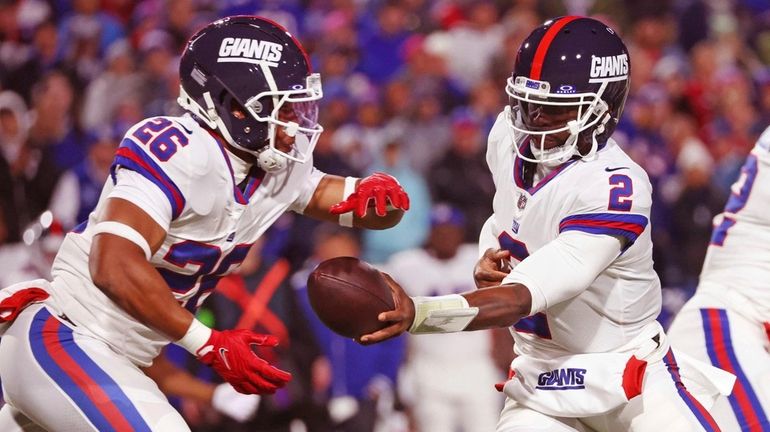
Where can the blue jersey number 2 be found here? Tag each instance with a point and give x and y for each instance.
(620, 194)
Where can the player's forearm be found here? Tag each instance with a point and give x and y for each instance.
(331, 190)
(129, 280)
(500, 306)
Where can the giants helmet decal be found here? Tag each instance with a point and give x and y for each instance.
(568, 65)
(247, 76)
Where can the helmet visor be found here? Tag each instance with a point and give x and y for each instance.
(305, 113)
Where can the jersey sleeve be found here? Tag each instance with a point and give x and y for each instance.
(307, 190)
(157, 149)
(137, 189)
(563, 268)
(497, 135)
(487, 237)
(613, 203)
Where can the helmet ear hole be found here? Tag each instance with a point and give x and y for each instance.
(237, 110)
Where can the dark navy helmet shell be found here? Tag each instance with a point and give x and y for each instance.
(240, 75)
(569, 63)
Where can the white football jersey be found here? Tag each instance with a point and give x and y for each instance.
(607, 195)
(738, 258)
(213, 226)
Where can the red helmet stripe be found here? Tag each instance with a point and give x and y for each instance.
(545, 43)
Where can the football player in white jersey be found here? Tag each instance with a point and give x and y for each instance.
(571, 213)
(727, 322)
(186, 199)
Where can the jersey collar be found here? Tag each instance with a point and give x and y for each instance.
(254, 176)
(518, 170)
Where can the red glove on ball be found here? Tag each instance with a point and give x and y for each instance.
(230, 354)
(379, 186)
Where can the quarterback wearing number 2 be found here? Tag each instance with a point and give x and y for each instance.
(187, 198)
(566, 258)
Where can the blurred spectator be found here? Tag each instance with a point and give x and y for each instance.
(23, 66)
(27, 172)
(469, 46)
(461, 178)
(358, 382)
(56, 129)
(88, 18)
(426, 132)
(426, 70)
(118, 82)
(468, 401)
(78, 189)
(693, 211)
(381, 44)
(485, 102)
(360, 142)
(413, 228)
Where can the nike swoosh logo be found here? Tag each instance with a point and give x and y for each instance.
(189, 132)
(608, 169)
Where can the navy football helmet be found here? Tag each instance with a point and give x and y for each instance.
(245, 77)
(575, 70)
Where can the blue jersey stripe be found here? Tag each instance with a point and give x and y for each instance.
(130, 156)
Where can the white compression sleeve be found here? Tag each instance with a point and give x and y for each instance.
(564, 267)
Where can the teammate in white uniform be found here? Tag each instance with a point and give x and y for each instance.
(467, 402)
(727, 322)
(186, 199)
(571, 213)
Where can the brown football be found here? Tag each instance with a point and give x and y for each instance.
(347, 294)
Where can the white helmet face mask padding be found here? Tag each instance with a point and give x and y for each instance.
(590, 111)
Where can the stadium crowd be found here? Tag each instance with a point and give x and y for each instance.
(411, 87)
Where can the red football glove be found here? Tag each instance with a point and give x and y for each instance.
(379, 186)
(230, 354)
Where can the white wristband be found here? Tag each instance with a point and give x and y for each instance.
(122, 230)
(441, 314)
(196, 337)
(346, 219)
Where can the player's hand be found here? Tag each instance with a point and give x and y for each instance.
(230, 353)
(401, 317)
(492, 268)
(381, 188)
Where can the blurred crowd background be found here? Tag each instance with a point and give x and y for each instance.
(411, 87)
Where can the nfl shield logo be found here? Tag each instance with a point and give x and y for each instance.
(522, 202)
